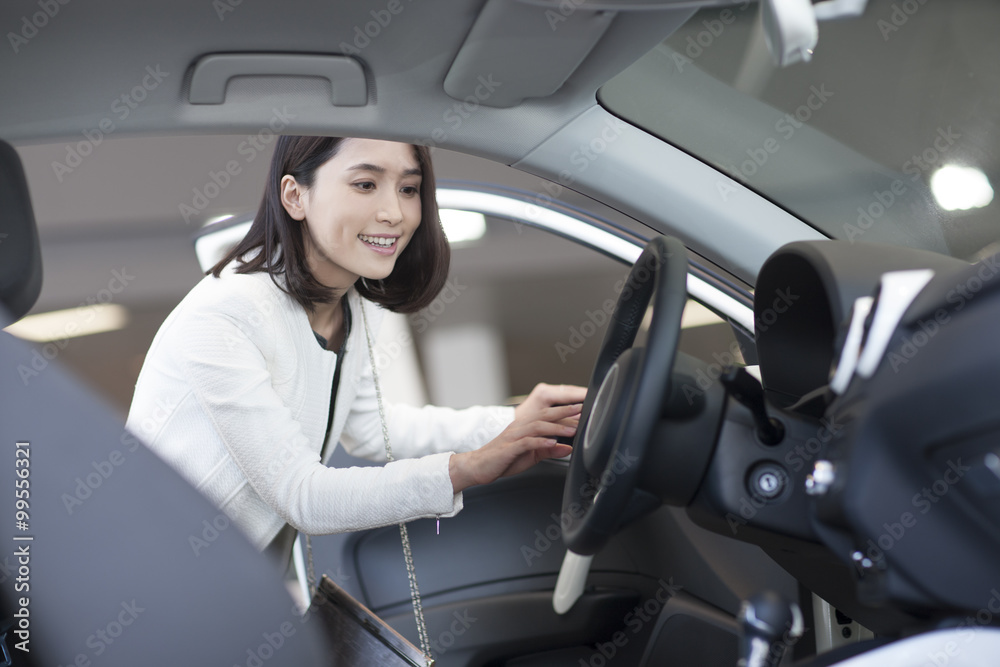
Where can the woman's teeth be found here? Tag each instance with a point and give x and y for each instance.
(381, 241)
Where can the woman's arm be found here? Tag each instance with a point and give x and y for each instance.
(231, 382)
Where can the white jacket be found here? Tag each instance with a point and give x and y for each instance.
(235, 394)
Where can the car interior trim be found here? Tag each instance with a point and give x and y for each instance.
(711, 213)
(849, 355)
(509, 38)
(571, 581)
(211, 74)
(599, 240)
(897, 290)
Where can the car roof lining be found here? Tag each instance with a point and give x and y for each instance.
(406, 65)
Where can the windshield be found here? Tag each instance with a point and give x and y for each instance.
(888, 134)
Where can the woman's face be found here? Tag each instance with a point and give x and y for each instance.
(361, 211)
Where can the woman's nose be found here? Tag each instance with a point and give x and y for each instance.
(389, 209)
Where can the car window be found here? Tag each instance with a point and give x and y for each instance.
(889, 133)
(523, 305)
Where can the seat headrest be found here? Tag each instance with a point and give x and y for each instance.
(20, 255)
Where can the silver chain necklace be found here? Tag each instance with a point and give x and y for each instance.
(418, 609)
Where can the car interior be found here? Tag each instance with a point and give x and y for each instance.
(761, 233)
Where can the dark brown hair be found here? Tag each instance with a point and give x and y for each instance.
(420, 271)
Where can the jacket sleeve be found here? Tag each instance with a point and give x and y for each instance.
(417, 432)
(230, 380)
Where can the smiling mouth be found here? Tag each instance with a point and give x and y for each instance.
(379, 241)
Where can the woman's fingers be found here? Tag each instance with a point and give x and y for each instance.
(559, 394)
(532, 450)
(566, 393)
(557, 412)
(547, 395)
(548, 421)
(556, 451)
(525, 442)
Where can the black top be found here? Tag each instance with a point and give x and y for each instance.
(336, 373)
(324, 343)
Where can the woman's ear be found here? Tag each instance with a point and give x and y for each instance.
(292, 194)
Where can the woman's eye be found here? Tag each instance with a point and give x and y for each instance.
(410, 190)
(365, 185)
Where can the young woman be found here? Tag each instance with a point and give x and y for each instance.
(264, 366)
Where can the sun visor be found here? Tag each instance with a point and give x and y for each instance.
(515, 51)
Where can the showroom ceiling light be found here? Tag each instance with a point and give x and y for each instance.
(217, 219)
(960, 188)
(70, 323)
(462, 226)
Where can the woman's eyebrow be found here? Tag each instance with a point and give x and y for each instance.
(365, 166)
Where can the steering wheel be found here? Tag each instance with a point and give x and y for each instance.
(625, 400)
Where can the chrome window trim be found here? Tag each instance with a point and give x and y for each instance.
(597, 239)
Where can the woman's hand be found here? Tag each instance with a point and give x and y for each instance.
(548, 395)
(530, 438)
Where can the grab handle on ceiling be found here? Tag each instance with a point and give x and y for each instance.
(213, 72)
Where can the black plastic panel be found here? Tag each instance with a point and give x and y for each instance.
(492, 630)
(690, 632)
(804, 292)
(508, 530)
(916, 493)
(129, 565)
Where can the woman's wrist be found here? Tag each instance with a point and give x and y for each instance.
(459, 469)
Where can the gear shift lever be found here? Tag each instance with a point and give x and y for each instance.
(768, 625)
